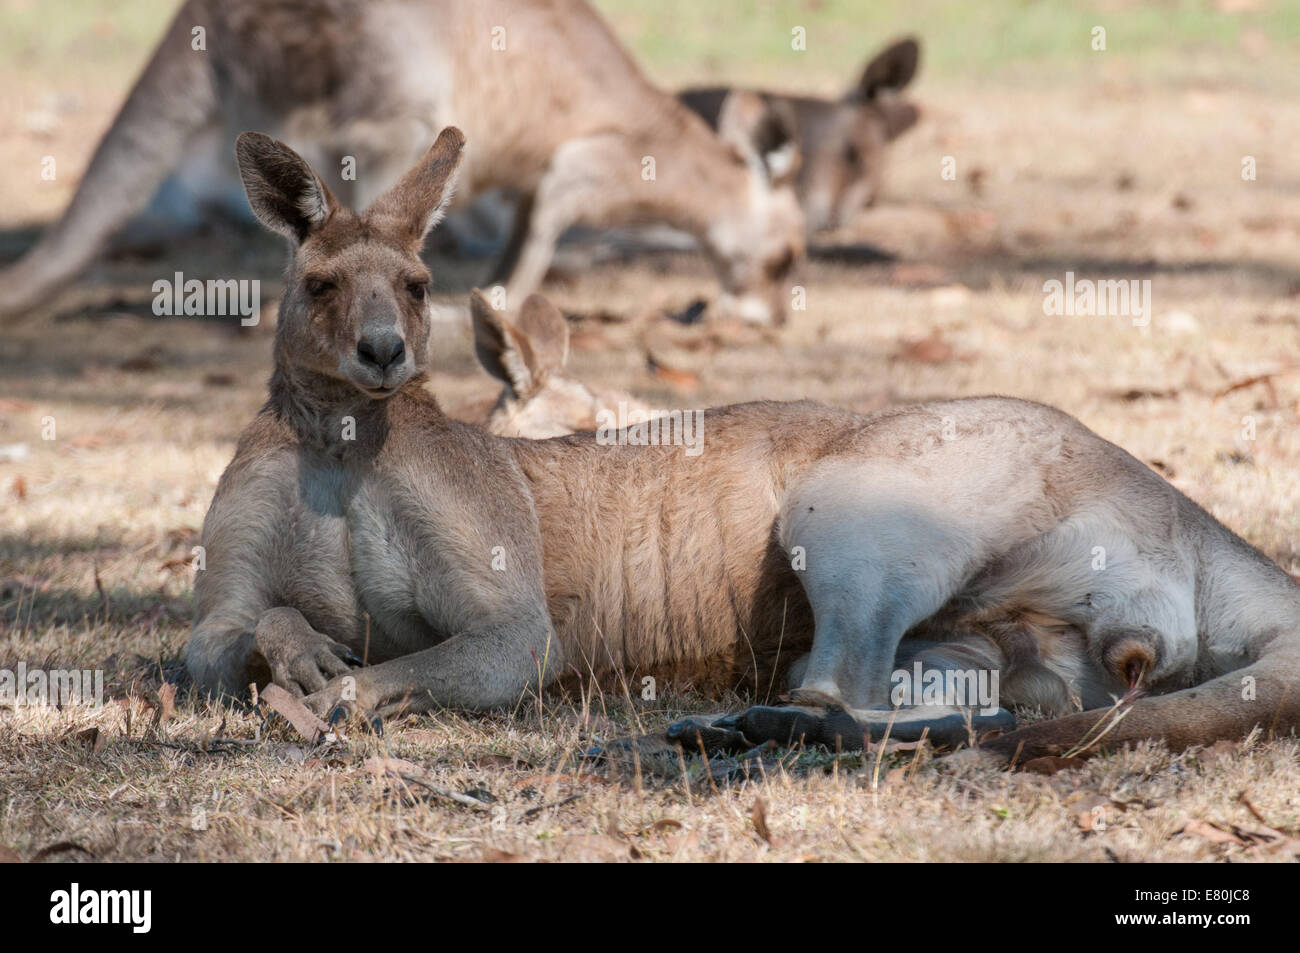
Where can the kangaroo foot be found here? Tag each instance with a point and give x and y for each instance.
(836, 728)
(301, 660)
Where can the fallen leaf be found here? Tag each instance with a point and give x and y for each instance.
(382, 766)
(662, 825)
(93, 738)
(674, 377)
(167, 704)
(19, 487)
(303, 720)
(759, 816)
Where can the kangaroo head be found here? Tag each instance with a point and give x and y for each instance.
(355, 306)
(539, 398)
(847, 144)
(756, 249)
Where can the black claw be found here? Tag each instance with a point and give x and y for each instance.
(376, 725)
(337, 716)
(353, 659)
(693, 735)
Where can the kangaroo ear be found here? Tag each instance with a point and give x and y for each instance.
(283, 191)
(500, 347)
(547, 333)
(418, 202)
(891, 69)
(899, 117)
(762, 131)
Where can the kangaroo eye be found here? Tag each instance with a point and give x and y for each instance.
(417, 289)
(318, 286)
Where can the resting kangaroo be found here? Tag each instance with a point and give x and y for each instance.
(357, 519)
(842, 142)
(557, 109)
(538, 398)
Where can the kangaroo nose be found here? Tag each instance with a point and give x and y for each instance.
(381, 348)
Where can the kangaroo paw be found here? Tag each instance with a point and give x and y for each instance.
(837, 728)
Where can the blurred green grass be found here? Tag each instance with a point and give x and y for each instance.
(749, 41)
(1255, 42)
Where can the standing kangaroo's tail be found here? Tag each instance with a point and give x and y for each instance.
(174, 97)
(1247, 600)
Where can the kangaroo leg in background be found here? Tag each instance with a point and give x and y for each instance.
(576, 188)
(519, 232)
(173, 100)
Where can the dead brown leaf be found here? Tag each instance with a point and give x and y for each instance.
(303, 720)
(19, 487)
(92, 738)
(676, 378)
(382, 766)
(166, 703)
(759, 816)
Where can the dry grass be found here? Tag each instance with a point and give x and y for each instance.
(1121, 177)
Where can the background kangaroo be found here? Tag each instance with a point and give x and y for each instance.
(357, 518)
(539, 397)
(557, 109)
(843, 143)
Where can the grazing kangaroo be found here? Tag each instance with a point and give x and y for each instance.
(356, 519)
(557, 109)
(842, 142)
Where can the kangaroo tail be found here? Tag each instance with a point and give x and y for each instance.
(174, 97)
(1265, 695)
